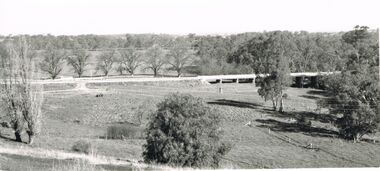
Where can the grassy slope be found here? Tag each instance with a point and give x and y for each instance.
(253, 147)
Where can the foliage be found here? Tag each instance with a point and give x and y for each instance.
(78, 60)
(130, 60)
(106, 61)
(82, 147)
(53, 61)
(154, 59)
(184, 131)
(180, 56)
(237, 53)
(273, 86)
(23, 101)
(124, 131)
(355, 97)
(355, 94)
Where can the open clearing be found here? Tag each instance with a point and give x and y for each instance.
(272, 140)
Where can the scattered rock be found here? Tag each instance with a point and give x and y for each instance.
(248, 124)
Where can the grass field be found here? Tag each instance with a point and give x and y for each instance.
(273, 140)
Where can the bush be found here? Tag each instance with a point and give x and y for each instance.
(123, 131)
(184, 132)
(82, 147)
(354, 99)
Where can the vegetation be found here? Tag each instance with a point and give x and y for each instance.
(180, 56)
(184, 132)
(355, 93)
(124, 131)
(232, 54)
(78, 60)
(52, 62)
(106, 61)
(275, 51)
(22, 100)
(154, 59)
(130, 60)
(82, 147)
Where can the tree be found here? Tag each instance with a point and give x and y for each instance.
(354, 98)
(23, 100)
(154, 59)
(53, 61)
(179, 56)
(278, 49)
(364, 48)
(78, 60)
(184, 132)
(130, 59)
(273, 86)
(106, 61)
(355, 93)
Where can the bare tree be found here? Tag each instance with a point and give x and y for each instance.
(106, 61)
(130, 59)
(78, 60)
(23, 100)
(52, 62)
(179, 57)
(154, 59)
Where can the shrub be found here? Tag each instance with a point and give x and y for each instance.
(354, 99)
(82, 147)
(123, 131)
(184, 132)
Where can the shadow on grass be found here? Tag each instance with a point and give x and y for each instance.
(318, 93)
(320, 117)
(296, 128)
(310, 97)
(225, 102)
(7, 138)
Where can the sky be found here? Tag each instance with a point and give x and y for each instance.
(73, 17)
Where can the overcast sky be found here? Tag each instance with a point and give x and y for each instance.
(72, 17)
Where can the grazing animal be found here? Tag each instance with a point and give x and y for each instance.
(99, 95)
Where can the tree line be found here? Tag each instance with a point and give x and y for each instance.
(232, 54)
(155, 58)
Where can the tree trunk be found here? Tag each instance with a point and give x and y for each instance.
(18, 136)
(274, 105)
(281, 109)
(155, 72)
(31, 138)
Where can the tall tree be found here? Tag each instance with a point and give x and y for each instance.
(130, 59)
(278, 48)
(106, 61)
(155, 59)
(23, 100)
(52, 62)
(78, 60)
(355, 93)
(180, 56)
